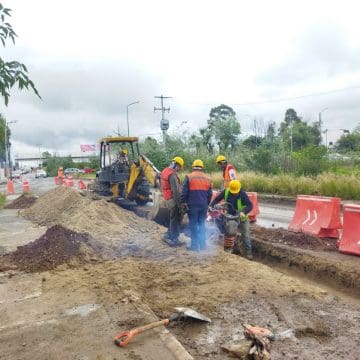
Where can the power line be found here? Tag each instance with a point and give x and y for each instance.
(269, 101)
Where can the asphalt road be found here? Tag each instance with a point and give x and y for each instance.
(271, 215)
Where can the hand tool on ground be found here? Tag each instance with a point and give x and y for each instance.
(123, 338)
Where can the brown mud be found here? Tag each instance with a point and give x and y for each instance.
(22, 202)
(130, 263)
(298, 240)
(56, 247)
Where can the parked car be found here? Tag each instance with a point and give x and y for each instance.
(16, 174)
(40, 174)
(69, 171)
(88, 170)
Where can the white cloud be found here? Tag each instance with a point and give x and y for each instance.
(90, 59)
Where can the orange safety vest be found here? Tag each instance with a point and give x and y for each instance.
(165, 183)
(226, 175)
(199, 181)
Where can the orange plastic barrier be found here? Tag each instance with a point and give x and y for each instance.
(69, 181)
(317, 215)
(26, 185)
(81, 185)
(350, 239)
(10, 187)
(255, 210)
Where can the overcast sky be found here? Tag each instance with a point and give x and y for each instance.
(89, 59)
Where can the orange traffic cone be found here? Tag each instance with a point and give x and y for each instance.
(81, 185)
(10, 187)
(70, 181)
(26, 186)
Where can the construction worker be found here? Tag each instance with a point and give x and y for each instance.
(60, 174)
(123, 157)
(229, 172)
(195, 197)
(171, 189)
(239, 203)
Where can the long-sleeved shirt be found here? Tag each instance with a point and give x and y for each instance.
(232, 200)
(175, 187)
(196, 189)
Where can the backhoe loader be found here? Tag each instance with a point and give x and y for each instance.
(129, 177)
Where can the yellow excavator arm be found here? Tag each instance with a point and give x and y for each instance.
(147, 168)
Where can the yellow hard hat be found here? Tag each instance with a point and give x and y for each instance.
(198, 163)
(220, 158)
(124, 151)
(179, 161)
(234, 186)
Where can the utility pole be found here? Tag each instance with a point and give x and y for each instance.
(164, 124)
(7, 152)
(325, 132)
(39, 145)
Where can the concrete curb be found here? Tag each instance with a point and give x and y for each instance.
(172, 344)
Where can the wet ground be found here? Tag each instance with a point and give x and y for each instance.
(124, 268)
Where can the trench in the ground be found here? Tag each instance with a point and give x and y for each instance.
(296, 336)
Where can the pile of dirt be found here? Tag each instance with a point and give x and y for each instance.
(56, 247)
(81, 213)
(299, 240)
(22, 202)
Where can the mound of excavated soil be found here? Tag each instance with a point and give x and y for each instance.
(299, 240)
(22, 202)
(80, 213)
(57, 246)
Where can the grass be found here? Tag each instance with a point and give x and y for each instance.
(2, 200)
(346, 187)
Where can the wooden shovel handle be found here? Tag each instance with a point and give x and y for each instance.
(123, 338)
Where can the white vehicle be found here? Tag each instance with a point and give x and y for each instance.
(40, 173)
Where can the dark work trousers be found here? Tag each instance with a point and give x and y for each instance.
(175, 222)
(197, 217)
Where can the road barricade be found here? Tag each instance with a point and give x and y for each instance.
(350, 238)
(10, 187)
(69, 181)
(255, 210)
(317, 215)
(25, 185)
(82, 185)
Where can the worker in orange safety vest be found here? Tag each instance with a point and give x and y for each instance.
(171, 189)
(196, 196)
(229, 172)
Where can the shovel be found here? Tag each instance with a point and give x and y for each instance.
(123, 338)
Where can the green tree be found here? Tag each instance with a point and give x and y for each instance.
(296, 133)
(2, 136)
(222, 130)
(311, 160)
(349, 142)
(252, 142)
(11, 72)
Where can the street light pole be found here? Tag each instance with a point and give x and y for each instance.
(127, 115)
(39, 145)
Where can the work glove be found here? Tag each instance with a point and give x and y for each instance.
(243, 217)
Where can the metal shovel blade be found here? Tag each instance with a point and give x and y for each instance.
(187, 312)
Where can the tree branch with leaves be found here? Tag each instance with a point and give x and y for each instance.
(11, 72)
